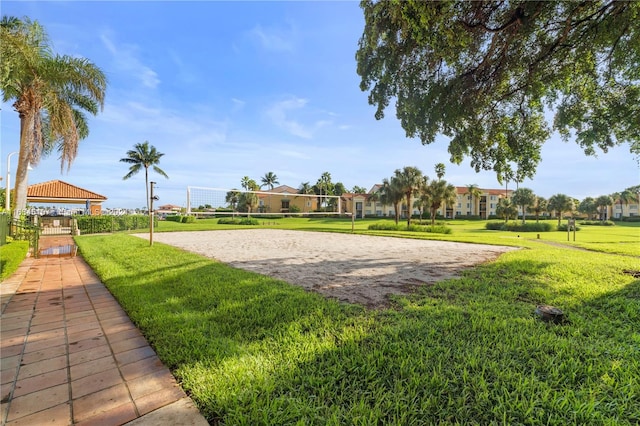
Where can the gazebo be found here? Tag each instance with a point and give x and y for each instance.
(59, 192)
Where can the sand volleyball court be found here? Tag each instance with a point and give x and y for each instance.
(360, 269)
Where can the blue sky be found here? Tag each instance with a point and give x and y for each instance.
(233, 89)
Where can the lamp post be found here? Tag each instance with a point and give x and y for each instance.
(152, 198)
(7, 195)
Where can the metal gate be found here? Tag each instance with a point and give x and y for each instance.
(55, 225)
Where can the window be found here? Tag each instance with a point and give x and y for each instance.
(459, 205)
(285, 204)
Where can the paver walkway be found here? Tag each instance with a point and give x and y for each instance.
(70, 354)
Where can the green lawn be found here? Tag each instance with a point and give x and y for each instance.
(11, 255)
(253, 350)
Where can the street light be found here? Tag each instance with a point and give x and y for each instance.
(7, 195)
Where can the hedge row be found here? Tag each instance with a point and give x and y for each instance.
(238, 221)
(101, 224)
(598, 222)
(438, 229)
(520, 227)
(181, 219)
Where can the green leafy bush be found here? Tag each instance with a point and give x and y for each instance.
(381, 226)
(631, 219)
(519, 227)
(188, 219)
(438, 229)
(597, 223)
(238, 221)
(563, 227)
(100, 224)
(174, 218)
(494, 226)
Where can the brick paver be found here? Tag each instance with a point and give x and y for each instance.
(69, 353)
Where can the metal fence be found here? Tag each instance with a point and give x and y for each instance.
(4, 228)
(20, 229)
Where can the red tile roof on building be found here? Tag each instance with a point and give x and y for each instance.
(61, 190)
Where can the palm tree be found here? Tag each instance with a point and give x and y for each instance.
(560, 203)
(323, 187)
(143, 155)
(51, 94)
(588, 206)
(439, 192)
(506, 209)
(248, 199)
(422, 201)
(409, 180)
(538, 207)
(440, 169)
(474, 191)
(391, 193)
(603, 202)
(232, 198)
(269, 180)
(626, 197)
(305, 188)
(523, 197)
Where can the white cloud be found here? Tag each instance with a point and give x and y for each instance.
(126, 60)
(237, 104)
(295, 154)
(278, 114)
(274, 39)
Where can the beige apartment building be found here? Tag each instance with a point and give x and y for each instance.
(484, 205)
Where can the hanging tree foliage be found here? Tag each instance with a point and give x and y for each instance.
(484, 72)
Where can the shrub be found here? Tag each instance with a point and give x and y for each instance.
(381, 226)
(631, 219)
(188, 219)
(174, 218)
(439, 229)
(597, 223)
(494, 226)
(563, 227)
(238, 221)
(527, 227)
(519, 227)
(100, 224)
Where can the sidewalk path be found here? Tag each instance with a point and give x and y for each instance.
(71, 356)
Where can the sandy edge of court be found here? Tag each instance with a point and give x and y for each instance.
(354, 268)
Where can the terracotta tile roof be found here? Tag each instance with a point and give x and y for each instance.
(59, 189)
(283, 189)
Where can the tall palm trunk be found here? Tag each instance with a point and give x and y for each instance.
(146, 186)
(26, 142)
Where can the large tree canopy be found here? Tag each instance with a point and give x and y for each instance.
(485, 72)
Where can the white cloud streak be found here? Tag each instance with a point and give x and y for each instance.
(274, 40)
(125, 57)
